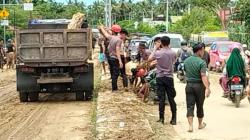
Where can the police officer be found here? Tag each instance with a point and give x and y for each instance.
(166, 58)
(198, 86)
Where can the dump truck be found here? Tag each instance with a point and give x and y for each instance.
(54, 61)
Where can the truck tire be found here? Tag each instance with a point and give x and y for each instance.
(80, 96)
(88, 95)
(23, 96)
(34, 96)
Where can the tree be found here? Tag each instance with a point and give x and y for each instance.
(240, 31)
(142, 27)
(199, 20)
(213, 5)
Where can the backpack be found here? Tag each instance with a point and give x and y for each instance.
(184, 55)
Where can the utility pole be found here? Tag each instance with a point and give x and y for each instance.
(108, 16)
(189, 9)
(167, 16)
(4, 29)
(152, 13)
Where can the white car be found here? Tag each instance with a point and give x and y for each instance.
(175, 41)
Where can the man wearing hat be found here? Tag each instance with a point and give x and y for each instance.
(114, 49)
(198, 86)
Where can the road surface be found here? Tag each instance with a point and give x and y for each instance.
(224, 121)
(54, 117)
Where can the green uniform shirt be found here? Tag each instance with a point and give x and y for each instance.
(194, 66)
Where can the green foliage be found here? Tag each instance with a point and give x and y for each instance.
(146, 28)
(142, 27)
(128, 25)
(160, 28)
(241, 32)
(199, 20)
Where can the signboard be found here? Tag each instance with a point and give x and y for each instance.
(136, 24)
(4, 22)
(28, 6)
(4, 13)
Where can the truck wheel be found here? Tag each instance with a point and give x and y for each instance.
(79, 96)
(34, 96)
(88, 95)
(23, 96)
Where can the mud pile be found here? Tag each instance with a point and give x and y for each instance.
(121, 115)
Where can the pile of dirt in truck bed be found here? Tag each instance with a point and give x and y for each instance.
(76, 21)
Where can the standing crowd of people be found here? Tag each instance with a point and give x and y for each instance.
(7, 55)
(161, 63)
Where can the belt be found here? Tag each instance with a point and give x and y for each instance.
(113, 57)
(194, 82)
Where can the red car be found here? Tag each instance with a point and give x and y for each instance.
(219, 51)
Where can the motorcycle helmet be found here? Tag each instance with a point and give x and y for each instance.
(141, 72)
(116, 28)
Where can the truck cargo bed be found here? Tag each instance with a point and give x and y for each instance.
(53, 47)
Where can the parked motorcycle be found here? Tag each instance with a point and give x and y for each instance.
(181, 72)
(236, 93)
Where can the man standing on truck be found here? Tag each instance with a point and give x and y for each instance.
(114, 48)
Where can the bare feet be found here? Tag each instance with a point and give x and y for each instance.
(190, 130)
(202, 126)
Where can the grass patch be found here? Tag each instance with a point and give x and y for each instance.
(97, 87)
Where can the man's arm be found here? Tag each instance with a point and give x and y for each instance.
(205, 80)
(178, 53)
(104, 32)
(118, 52)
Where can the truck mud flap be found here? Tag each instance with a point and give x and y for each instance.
(84, 81)
(26, 82)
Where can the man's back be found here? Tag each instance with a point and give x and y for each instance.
(194, 66)
(114, 41)
(10, 48)
(166, 58)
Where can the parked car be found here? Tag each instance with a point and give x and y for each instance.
(219, 51)
(209, 37)
(175, 41)
(133, 48)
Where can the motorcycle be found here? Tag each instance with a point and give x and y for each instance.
(236, 93)
(181, 72)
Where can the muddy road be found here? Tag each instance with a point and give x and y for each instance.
(53, 117)
(224, 121)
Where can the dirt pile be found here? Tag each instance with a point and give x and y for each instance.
(121, 116)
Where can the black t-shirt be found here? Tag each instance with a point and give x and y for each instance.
(206, 58)
(10, 48)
